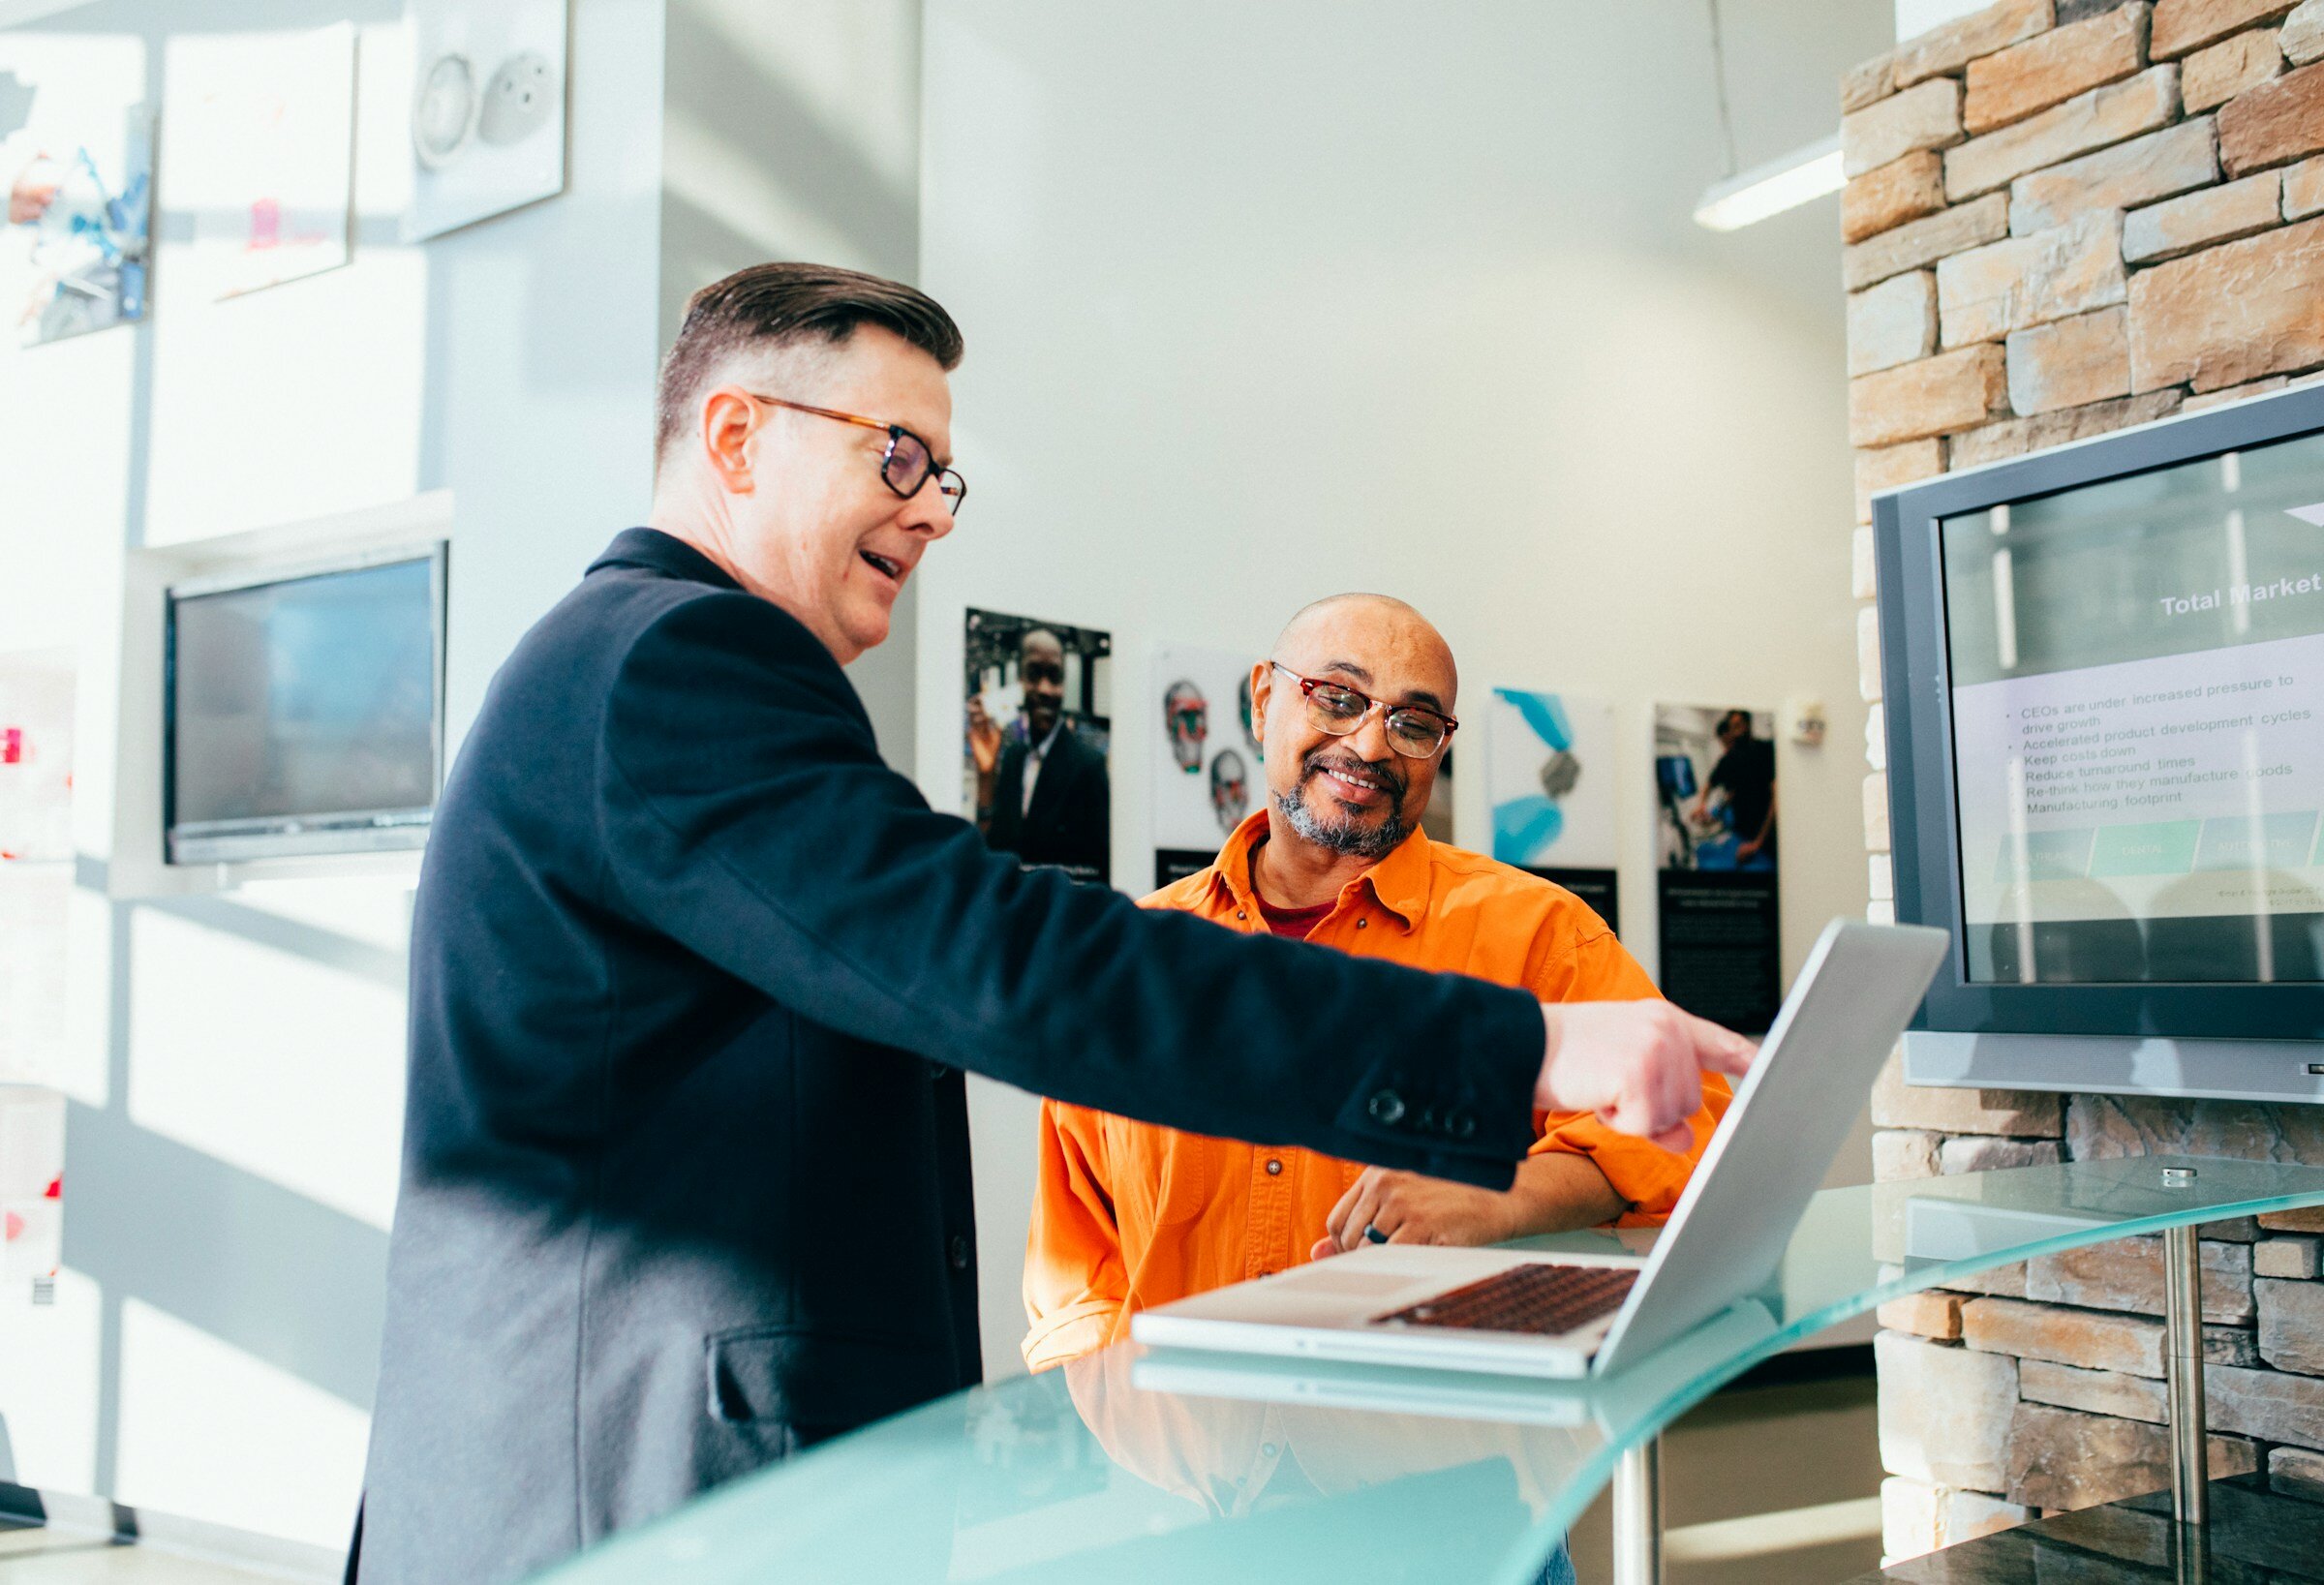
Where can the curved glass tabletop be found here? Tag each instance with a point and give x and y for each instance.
(1142, 1464)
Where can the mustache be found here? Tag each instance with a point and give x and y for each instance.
(1322, 759)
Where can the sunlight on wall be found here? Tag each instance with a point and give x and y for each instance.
(304, 399)
(279, 1458)
(64, 407)
(288, 1067)
(49, 1373)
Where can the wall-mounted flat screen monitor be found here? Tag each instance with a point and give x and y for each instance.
(304, 712)
(2104, 674)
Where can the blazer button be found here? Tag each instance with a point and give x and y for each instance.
(1388, 1106)
(959, 1251)
(1460, 1124)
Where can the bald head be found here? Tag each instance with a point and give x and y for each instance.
(1350, 792)
(1371, 636)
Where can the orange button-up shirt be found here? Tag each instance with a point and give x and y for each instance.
(1128, 1216)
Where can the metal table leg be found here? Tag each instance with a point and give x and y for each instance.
(1638, 1515)
(2182, 1363)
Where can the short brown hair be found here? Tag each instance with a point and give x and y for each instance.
(781, 304)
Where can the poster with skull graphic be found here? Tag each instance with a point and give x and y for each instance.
(1206, 776)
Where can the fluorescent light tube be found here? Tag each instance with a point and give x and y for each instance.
(1780, 184)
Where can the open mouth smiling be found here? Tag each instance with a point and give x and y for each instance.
(1354, 783)
(886, 566)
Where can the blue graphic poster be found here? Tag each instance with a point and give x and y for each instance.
(1551, 779)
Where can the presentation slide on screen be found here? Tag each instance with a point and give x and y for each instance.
(2185, 786)
(2138, 724)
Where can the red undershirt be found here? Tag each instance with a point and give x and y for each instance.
(1297, 923)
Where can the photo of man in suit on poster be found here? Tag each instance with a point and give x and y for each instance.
(1038, 725)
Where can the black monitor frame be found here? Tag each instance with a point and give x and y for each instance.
(1916, 691)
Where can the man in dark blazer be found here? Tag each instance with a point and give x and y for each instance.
(1067, 818)
(694, 975)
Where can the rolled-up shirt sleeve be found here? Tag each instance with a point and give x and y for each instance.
(1595, 966)
(1075, 1283)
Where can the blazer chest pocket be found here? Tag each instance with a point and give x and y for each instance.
(815, 1386)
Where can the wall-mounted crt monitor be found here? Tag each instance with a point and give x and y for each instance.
(304, 710)
(2104, 674)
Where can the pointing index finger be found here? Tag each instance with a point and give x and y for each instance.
(1721, 1049)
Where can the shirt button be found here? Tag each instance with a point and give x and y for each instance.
(1361, 923)
(1239, 914)
(1274, 1169)
(1388, 1106)
(958, 1250)
(1267, 1449)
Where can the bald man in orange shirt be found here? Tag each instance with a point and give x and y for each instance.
(1354, 709)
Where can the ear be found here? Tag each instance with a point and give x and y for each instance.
(729, 419)
(1262, 685)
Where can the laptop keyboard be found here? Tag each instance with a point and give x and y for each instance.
(1544, 1299)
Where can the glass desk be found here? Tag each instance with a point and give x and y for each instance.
(1141, 1463)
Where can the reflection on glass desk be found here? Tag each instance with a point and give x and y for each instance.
(1139, 1465)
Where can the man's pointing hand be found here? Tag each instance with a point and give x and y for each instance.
(1638, 1065)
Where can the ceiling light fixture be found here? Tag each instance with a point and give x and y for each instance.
(1743, 198)
(1783, 183)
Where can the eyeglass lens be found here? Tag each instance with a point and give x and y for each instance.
(1340, 710)
(908, 467)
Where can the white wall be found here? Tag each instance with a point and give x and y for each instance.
(1913, 17)
(237, 1063)
(793, 132)
(1268, 302)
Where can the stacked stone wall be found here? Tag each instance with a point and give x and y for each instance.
(2065, 216)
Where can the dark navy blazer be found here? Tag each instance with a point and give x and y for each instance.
(694, 975)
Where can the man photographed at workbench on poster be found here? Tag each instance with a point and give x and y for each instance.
(1356, 707)
(694, 975)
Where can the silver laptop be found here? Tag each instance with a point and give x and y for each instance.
(1520, 1313)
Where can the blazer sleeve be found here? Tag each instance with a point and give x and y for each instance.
(1596, 968)
(747, 815)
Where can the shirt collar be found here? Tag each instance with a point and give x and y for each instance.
(659, 552)
(1399, 883)
(1040, 751)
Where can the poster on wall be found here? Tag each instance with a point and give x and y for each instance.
(1207, 773)
(262, 130)
(76, 160)
(32, 1190)
(1549, 774)
(1037, 728)
(487, 110)
(1715, 858)
(36, 861)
